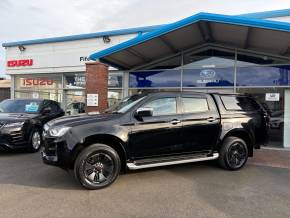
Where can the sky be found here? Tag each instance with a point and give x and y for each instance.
(33, 19)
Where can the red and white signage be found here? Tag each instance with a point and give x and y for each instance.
(39, 82)
(20, 63)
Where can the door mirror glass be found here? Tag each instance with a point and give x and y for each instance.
(144, 112)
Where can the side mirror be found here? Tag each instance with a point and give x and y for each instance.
(144, 112)
(46, 110)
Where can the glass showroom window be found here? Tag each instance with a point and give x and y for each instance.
(39, 86)
(208, 68)
(115, 87)
(75, 81)
(74, 88)
(267, 84)
(208, 58)
(154, 80)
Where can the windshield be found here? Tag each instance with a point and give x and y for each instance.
(124, 105)
(20, 106)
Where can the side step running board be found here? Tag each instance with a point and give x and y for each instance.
(134, 166)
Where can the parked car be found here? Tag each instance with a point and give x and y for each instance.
(21, 122)
(277, 120)
(153, 130)
(75, 108)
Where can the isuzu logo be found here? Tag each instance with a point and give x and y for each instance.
(207, 74)
(20, 63)
(31, 82)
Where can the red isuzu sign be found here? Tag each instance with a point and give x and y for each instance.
(20, 63)
(27, 82)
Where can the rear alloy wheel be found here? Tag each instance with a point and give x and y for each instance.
(97, 166)
(233, 153)
(35, 141)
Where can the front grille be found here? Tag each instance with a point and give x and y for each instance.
(16, 136)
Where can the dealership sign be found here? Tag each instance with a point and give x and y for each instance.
(40, 82)
(272, 97)
(207, 76)
(20, 63)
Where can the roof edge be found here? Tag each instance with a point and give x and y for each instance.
(83, 36)
(228, 19)
(268, 14)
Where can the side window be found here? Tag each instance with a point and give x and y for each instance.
(163, 106)
(194, 105)
(45, 104)
(239, 103)
(54, 107)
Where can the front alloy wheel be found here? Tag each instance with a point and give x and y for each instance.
(97, 166)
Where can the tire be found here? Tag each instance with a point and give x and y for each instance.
(35, 141)
(97, 166)
(233, 154)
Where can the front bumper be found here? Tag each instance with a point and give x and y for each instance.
(56, 153)
(11, 139)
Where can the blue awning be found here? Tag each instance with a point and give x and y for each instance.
(236, 31)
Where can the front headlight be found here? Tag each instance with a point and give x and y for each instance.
(58, 131)
(17, 124)
(45, 127)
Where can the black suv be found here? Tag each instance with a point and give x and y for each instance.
(154, 130)
(21, 122)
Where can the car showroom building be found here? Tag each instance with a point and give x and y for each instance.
(205, 52)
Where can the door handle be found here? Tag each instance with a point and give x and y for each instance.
(211, 119)
(174, 122)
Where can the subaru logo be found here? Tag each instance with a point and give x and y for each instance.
(207, 74)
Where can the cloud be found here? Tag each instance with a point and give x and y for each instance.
(32, 19)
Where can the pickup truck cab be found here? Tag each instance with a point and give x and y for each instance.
(157, 129)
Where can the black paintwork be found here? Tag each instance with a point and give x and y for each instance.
(19, 137)
(138, 138)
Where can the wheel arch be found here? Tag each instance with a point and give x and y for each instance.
(107, 139)
(242, 134)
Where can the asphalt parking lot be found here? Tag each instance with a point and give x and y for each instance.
(29, 188)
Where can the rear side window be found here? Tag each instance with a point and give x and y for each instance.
(194, 105)
(240, 103)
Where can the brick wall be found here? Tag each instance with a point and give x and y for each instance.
(97, 83)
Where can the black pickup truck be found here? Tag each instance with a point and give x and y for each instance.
(157, 129)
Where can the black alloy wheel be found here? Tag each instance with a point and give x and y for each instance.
(97, 166)
(233, 154)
